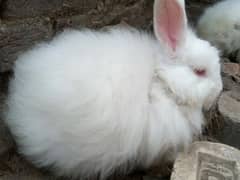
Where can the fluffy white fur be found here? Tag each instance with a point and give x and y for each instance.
(220, 24)
(89, 102)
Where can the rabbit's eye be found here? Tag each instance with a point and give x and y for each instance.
(200, 72)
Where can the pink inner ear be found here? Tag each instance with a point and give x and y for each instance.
(170, 22)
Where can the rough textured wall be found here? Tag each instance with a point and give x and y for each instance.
(24, 22)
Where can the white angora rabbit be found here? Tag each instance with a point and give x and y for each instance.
(90, 102)
(220, 24)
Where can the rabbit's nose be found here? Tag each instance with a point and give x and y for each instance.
(200, 72)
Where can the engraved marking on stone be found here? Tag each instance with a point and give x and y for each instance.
(214, 168)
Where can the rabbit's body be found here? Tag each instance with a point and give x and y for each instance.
(99, 109)
(220, 24)
(91, 102)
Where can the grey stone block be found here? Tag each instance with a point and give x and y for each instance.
(16, 37)
(229, 109)
(208, 161)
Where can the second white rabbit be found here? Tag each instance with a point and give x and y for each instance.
(220, 24)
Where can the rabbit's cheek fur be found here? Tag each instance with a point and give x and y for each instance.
(188, 89)
(203, 90)
(215, 89)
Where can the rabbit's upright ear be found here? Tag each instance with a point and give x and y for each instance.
(170, 23)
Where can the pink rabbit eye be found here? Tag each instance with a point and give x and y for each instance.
(200, 72)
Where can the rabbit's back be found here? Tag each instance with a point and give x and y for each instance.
(82, 98)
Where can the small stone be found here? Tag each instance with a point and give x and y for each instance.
(225, 60)
(207, 161)
(229, 83)
(100, 6)
(238, 56)
(229, 107)
(232, 69)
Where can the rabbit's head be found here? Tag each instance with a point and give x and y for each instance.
(183, 47)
